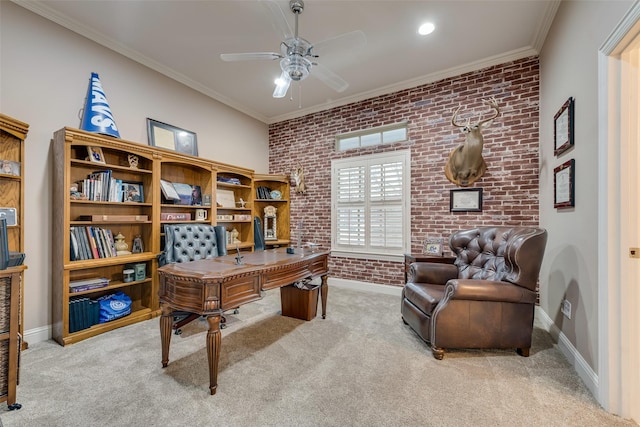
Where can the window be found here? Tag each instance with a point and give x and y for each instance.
(370, 205)
(376, 136)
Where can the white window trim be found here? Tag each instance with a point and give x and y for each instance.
(401, 155)
(380, 130)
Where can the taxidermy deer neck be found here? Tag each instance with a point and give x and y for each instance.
(466, 165)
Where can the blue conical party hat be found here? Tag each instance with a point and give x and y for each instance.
(97, 115)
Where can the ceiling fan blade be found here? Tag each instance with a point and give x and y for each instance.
(282, 85)
(278, 20)
(229, 57)
(329, 78)
(347, 42)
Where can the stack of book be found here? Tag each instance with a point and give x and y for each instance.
(91, 243)
(263, 192)
(88, 284)
(101, 186)
(83, 313)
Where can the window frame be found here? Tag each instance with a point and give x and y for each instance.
(371, 132)
(368, 251)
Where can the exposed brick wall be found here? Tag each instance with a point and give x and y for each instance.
(510, 185)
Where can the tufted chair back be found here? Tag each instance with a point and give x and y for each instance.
(499, 253)
(189, 242)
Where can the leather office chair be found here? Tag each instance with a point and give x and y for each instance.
(486, 299)
(184, 243)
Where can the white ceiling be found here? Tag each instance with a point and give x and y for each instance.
(184, 39)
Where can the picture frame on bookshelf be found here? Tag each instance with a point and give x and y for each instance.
(10, 214)
(185, 193)
(433, 246)
(226, 198)
(171, 137)
(196, 195)
(9, 167)
(95, 154)
(133, 191)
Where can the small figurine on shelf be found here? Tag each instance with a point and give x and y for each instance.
(137, 245)
(121, 246)
(133, 161)
(234, 236)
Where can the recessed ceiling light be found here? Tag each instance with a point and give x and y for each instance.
(426, 29)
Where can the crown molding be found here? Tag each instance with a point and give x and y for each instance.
(408, 84)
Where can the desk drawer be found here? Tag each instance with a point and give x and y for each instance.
(240, 290)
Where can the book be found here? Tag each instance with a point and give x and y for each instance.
(168, 190)
(184, 192)
(175, 216)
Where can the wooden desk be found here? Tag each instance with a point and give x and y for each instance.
(209, 287)
(409, 258)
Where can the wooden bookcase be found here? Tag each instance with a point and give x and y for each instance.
(237, 184)
(144, 217)
(279, 184)
(72, 165)
(12, 135)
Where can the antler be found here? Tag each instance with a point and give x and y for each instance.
(453, 119)
(493, 104)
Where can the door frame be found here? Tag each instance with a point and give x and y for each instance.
(618, 229)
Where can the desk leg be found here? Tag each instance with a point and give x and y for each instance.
(213, 350)
(323, 295)
(166, 321)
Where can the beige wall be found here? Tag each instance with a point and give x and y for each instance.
(44, 75)
(569, 67)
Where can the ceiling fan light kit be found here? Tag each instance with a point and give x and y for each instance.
(297, 61)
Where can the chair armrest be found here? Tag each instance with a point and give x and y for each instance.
(488, 290)
(431, 272)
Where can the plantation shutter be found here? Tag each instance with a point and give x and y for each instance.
(370, 203)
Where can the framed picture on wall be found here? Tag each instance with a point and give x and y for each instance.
(563, 185)
(563, 128)
(466, 200)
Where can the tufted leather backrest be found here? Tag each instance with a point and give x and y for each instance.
(189, 242)
(512, 254)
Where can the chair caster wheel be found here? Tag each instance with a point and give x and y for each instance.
(223, 325)
(178, 332)
(14, 406)
(236, 311)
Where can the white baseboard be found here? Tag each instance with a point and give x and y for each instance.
(365, 286)
(35, 335)
(584, 371)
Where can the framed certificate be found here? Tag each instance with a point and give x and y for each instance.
(466, 200)
(563, 128)
(563, 185)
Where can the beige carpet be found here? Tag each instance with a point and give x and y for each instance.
(359, 367)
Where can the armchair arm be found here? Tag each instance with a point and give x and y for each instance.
(488, 290)
(431, 272)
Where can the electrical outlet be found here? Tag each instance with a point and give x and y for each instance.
(565, 308)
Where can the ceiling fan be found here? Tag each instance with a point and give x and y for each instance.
(298, 56)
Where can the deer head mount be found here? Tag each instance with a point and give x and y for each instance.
(466, 165)
(298, 178)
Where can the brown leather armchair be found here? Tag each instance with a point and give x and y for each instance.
(486, 299)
